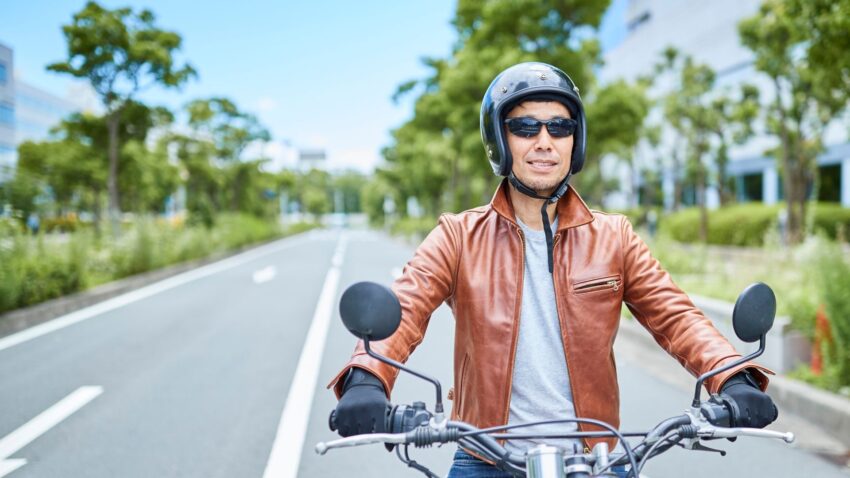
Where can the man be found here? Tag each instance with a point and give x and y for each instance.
(536, 282)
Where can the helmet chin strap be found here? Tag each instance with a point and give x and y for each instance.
(547, 227)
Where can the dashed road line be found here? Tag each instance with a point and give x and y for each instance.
(23, 436)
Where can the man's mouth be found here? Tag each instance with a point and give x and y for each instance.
(541, 165)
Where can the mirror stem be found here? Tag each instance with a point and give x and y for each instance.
(438, 407)
(711, 373)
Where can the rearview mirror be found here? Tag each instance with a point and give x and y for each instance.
(754, 312)
(370, 311)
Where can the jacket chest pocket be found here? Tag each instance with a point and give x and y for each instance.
(611, 283)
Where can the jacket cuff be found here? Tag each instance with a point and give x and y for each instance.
(385, 373)
(759, 373)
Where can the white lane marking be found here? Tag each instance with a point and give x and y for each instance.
(396, 272)
(265, 274)
(289, 439)
(147, 291)
(36, 427)
(9, 466)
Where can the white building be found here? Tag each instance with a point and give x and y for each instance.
(28, 113)
(7, 111)
(708, 31)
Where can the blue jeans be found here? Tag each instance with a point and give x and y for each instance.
(467, 466)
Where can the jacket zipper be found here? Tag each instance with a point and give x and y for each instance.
(563, 338)
(518, 315)
(606, 283)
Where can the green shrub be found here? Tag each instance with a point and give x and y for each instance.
(749, 224)
(67, 223)
(682, 226)
(737, 225)
(35, 269)
(299, 227)
(831, 219)
(833, 271)
(637, 216)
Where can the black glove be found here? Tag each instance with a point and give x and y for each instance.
(363, 405)
(750, 407)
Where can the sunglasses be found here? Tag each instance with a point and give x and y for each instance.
(527, 127)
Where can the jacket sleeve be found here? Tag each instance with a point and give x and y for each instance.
(426, 282)
(673, 320)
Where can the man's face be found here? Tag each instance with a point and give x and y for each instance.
(542, 161)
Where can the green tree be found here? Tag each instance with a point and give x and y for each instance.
(801, 46)
(616, 114)
(704, 119)
(227, 131)
(72, 163)
(437, 155)
(348, 186)
(120, 53)
(230, 129)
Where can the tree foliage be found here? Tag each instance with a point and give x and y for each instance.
(616, 116)
(706, 121)
(437, 156)
(120, 53)
(801, 46)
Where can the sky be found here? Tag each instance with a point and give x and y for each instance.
(318, 74)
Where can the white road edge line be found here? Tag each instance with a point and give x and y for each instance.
(147, 291)
(289, 439)
(43, 422)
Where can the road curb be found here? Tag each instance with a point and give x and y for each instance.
(20, 319)
(826, 410)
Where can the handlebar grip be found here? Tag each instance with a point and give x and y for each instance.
(716, 412)
(332, 421)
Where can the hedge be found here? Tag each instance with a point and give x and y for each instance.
(750, 224)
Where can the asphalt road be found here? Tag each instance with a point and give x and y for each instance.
(192, 379)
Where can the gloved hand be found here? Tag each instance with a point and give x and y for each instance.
(363, 405)
(750, 406)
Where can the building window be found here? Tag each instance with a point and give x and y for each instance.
(750, 187)
(3, 74)
(7, 114)
(829, 189)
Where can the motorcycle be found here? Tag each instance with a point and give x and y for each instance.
(372, 312)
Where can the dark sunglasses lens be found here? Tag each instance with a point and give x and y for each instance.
(525, 127)
(561, 127)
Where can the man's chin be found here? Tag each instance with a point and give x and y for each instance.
(544, 187)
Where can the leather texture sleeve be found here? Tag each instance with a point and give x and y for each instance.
(673, 320)
(426, 282)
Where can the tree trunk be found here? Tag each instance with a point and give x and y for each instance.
(703, 209)
(702, 184)
(795, 181)
(112, 124)
(795, 176)
(96, 211)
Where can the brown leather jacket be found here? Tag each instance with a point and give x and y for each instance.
(474, 262)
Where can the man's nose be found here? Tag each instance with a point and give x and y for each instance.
(544, 140)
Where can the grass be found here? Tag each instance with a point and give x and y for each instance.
(35, 269)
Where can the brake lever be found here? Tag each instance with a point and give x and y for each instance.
(700, 447)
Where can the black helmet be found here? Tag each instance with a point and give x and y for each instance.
(532, 80)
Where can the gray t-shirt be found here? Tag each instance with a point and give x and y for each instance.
(541, 382)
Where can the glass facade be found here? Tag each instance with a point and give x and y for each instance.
(7, 114)
(4, 73)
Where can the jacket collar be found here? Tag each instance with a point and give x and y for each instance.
(572, 211)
